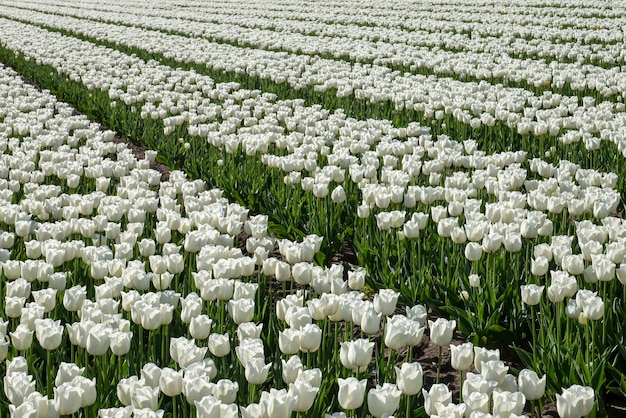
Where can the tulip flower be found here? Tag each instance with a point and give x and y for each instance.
(279, 404)
(531, 294)
(171, 382)
(409, 378)
(68, 398)
(303, 394)
(249, 330)
(385, 301)
(507, 403)
(395, 332)
(441, 331)
(291, 369)
(18, 386)
(383, 400)
(22, 337)
(438, 394)
(241, 310)
(462, 356)
(67, 372)
(356, 355)
(98, 340)
(219, 344)
(207, 407)
(351, 393)
(482, 354)
(310, 338)
(256, 370)
(575, 402)
(196, 388)
(531, 385)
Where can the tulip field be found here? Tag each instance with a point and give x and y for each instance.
(272, 209)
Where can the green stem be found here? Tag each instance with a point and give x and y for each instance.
(439, 363)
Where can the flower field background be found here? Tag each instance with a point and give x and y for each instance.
(277, 209)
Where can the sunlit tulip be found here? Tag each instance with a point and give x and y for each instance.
(494, 370)
(219, 344)
(73, 298)
(67, 372)
(49, 333)
(409, 378)
(68, 398)
(303, 394)
(17, 387)
(241, 310)
(356, 279)
(507, 403)
(310, 338)
(226, 391)
(370, 321)
(351, 393)
(98, 340)
(462, 356)
(476, 402)
(256, 370)
(438, 394)
(145, 397)
(88, 387)
(539, 266)
(200, 327)
(385, 301)
(531, 385)
(13, 306)
(22, 337)
(482, 354)
(441, 331)
(575, 402)
(473, 251)
(383, 400)
(291, 369)
(289, 341)
(208, 406)
(417, 313)
(171, 382)
(531, 294)
(356, 355)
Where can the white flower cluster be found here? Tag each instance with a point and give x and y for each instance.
(471, 103)
(479, 56)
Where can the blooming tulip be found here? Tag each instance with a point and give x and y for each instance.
(351, 392)
(409, 378)
(575, 402)
(383, 400)
(441, 331)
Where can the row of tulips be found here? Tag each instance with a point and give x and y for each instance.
(485, 105)
(564, 23)
(416, 55)
(172, 366)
